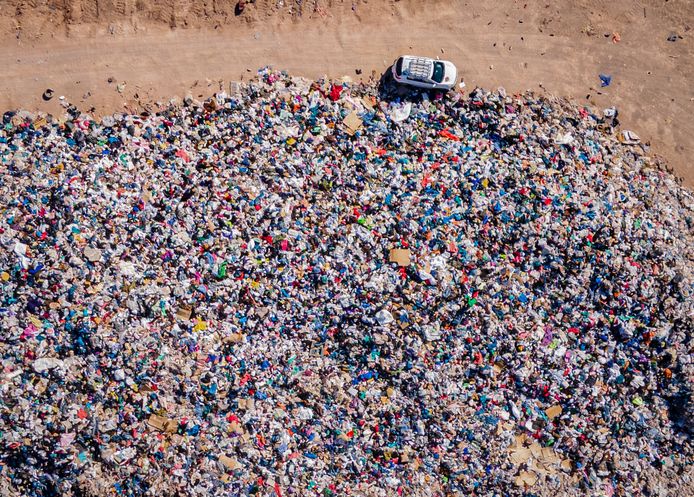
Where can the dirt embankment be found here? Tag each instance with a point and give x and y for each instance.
(153, 50)
(41, 18)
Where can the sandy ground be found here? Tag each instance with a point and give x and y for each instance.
(178, 47)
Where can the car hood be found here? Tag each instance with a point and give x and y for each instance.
(450, 74)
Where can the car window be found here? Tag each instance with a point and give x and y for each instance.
(438, 72)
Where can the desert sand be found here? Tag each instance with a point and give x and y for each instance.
(153, 51)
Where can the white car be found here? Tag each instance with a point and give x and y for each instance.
(424, 72)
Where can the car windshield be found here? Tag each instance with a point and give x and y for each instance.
(438, 72)
(398, 66)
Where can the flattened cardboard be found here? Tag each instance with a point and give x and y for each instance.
(553, 412)
(162, 424)
(352, 123)
(526, 478)
(184, 313)
(520, 455)
(234, 338)
(229, 463)
(400, 256)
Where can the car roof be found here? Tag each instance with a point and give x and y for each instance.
(419, 68)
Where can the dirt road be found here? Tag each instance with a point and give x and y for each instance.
(181, 47)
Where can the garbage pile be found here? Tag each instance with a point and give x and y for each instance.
(301, 288)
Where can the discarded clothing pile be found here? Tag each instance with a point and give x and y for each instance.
(300, 288)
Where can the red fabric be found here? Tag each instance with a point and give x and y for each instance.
(335, 92)
(183, 155)
(447, 134)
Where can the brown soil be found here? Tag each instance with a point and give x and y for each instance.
(176, 47)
